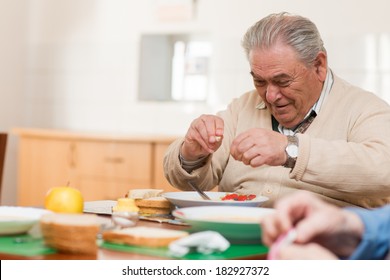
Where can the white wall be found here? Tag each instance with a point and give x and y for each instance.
(73, 64)
(13, 37)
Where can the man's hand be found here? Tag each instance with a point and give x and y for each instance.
(203, 137)
(258, 146)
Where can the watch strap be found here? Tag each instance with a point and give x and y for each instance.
(290, 162)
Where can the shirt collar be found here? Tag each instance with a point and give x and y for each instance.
(328, 83)
(261, 105)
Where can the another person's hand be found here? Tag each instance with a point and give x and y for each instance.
(203, 137)
(258, 146)
(315, 221)
(311, 251)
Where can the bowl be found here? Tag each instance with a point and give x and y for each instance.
(18, 220)
(239, 225)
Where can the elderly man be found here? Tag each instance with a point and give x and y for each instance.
(302, 128)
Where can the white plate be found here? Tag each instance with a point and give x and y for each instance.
(17, 220)
(237, 224)
(191, 199)
(99, 206)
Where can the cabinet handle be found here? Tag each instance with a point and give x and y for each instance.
(72, 155)
(115, 160)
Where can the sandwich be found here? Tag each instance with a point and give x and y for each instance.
(154, 206)
(150, 202)
(143, 236)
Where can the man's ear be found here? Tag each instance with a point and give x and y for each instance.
(321, 65)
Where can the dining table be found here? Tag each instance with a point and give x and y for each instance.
(108, 251)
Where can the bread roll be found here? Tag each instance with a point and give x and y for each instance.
(144, 236)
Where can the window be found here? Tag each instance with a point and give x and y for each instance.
(174, 67)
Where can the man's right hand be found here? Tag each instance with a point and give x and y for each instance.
(203, 137)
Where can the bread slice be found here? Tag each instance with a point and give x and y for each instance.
(71, 233)
(144, 236)
(143, 193)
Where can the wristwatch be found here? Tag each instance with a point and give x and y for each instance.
(291, 151)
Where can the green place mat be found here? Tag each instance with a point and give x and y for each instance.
(27, 245)
(24, 245)
(233, 252)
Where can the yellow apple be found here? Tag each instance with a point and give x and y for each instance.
(64, 200)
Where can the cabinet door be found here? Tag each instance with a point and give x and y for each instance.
(43, 164)
(107, 170)
(159, 179)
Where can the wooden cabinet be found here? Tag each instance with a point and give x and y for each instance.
(159, 151)
(100, 166)
(43, 164)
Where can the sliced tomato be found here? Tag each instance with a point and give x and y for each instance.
(251, 196)
(230, 196)
(238, 197)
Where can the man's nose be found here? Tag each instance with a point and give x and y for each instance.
(272, 93)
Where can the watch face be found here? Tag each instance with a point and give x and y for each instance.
(292, 150)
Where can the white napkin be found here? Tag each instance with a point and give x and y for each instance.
(205, 242)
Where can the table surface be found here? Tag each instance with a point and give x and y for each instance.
(106, 254)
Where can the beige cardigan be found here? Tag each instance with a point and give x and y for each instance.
(344, 156)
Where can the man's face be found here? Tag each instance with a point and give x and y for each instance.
(287, 86)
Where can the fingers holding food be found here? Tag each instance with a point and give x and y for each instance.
(203, 137)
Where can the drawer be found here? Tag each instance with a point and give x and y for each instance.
(121, 160)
